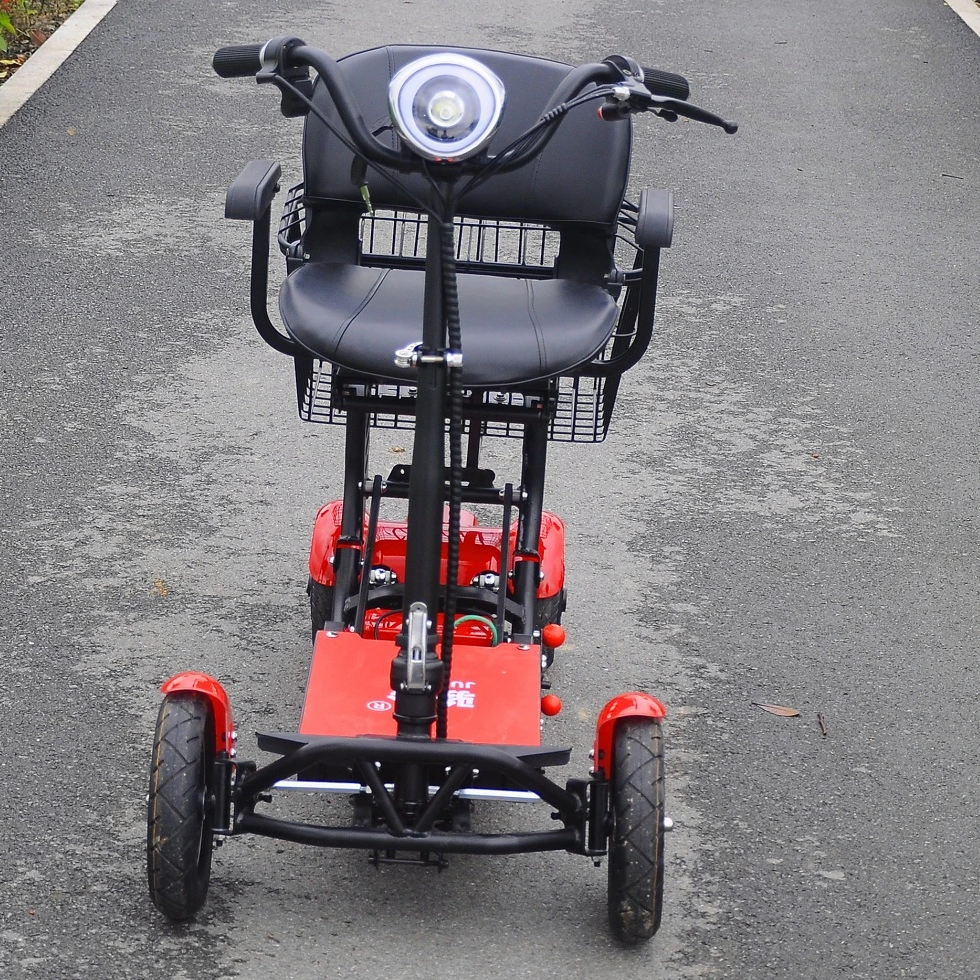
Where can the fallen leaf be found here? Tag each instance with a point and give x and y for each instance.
(37, 37)
(160, 587)
(397, 449)
(777, 709)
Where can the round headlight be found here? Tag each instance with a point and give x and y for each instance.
(446, 106)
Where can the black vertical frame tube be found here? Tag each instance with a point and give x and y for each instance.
(368, 556)
(504, 561)
(352, 519)
(474, 438)
(426, 493)
(415, 711)
(527, 561)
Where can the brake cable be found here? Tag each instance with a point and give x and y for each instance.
(389, 175)
(515, 149)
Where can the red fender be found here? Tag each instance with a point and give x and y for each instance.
(224, 727)
(636, 704)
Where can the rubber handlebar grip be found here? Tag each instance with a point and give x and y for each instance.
(238, 60)
(667, 83)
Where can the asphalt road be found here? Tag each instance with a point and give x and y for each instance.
(788, 506)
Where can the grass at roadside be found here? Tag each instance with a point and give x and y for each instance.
(25, 25)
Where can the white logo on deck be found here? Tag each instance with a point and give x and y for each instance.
(461, 695)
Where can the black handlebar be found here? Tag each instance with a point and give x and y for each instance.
(667, 83)
(282, 57)
(238, 60)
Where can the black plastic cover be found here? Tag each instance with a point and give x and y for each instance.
(655, 219)
(252, 191)
(580, 177)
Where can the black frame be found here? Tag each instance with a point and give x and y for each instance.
(582, 805)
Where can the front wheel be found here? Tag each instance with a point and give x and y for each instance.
(636, 843)
(180, 811)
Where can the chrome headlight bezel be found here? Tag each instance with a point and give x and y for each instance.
(458, 81)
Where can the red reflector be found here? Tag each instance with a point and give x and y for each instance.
(550, 705)
(553, 635)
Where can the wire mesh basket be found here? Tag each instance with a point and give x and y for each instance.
(573, 406)
(483, 245)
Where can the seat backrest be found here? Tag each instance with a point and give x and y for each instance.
(576, 184)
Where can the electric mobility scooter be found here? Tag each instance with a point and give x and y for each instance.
(454, 265)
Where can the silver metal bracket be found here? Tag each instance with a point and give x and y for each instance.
(411, 356)
(486, 580)
(407, 357)
(418, 628)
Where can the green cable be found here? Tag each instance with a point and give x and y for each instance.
(486, 622)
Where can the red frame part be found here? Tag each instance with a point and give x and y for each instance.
(195, 683)
(479, 548)
(494, 694)
(635, 704)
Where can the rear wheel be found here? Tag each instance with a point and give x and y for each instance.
(321, 604)
(180, 813)
(636, 844)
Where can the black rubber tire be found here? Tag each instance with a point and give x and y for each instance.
(180, 809)
(636, 843)
(321, 604)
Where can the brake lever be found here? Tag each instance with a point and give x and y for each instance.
(661, 104)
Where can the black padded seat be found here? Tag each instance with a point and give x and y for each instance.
(514, 331)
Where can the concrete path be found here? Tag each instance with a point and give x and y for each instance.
(788, 506)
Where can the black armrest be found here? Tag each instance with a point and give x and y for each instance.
(250, 199)
(251, 193)
(655, 219)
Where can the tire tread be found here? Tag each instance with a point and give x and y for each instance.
(636, 852)
(178, 830)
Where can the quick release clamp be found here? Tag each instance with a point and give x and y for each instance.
(413, 355)
(417, 674)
